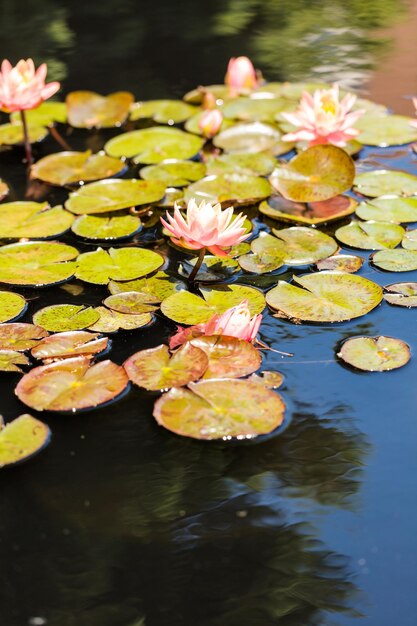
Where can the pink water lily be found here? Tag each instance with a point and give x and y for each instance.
(241, 74)
(210, 122)
(322, 118)
(23, 88)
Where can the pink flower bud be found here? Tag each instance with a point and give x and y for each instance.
(241, 74)
(210, 122)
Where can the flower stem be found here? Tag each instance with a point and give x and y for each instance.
(28, 149)
(197, 265)
(58, 138)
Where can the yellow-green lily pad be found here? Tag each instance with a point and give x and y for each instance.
(111, 321)
(228, 357)
(385, 130)
(386, 182)
(409, 241)
(196, 96)
(160, 285)
(132, 302)
(370, 235)
(230, 188)
(252, 138)
(31, 220)
(12, 306)
(105, 228)
(162, 111)
(21, 439)
(46, 114)
(68, 168)
(37, 264)
(11, 359)
(262, 263)
(395, 260)
(87, 109)
(260, 164)
(254, 109)
(279, 208)
(12, 134)
(389, 209)
(59, 318)
(401, 294)
(297, 245)
(174, 173)
(20, 337)
(69, 344)
(375, 354)
(101, 266)
(348, 263)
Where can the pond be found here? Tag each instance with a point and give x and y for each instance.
(122, 523)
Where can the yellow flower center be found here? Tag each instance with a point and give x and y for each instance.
(328, 105)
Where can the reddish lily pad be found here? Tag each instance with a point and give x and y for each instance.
(112, 321)
(348, 263)
(12, 306)
(220, 409)
(68, 168)
(370, 235)
(33, 220)
(279, 208)
(154, 369)
(395, 260)
(401, 294)
(375, 354)
(36, 264)
(228, 357)
(21, 439)
(101, 266)
(70, 344)
(87, 109)
(65, 317)
(20, 336)
(132, 302)
(71, 384)
(11, 359)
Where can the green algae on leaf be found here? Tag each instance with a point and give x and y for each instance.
(385, 182)
(385, 130)
(325, 297)
(87, 109)
(69, 168)
(101, 266)
(154, 145)
(132, 302)
(252, 138)
(71, 384)
(12, 134)
(375, 354)
(220, 409)
(370, 235)
(65, 317)
(389, 209)
(395, 260)
(348, 263)
(228, 357)
(318, 173)
(31, 220)
(20, 337)
(69, 344)
(155, 369)
(279, 208)
(12, 306)
(160, 285)
(260, 164)
(36, 264)
(162, 111)
(114, 195)
(11, 359)
(174, 173)
(102, 227)
(111, 321)
(401, 294)
(21, 439)
(231, 188)
(46, 114)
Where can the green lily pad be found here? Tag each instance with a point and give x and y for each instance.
(69, 344)
(67, 168)
(196, 96)
(59, 318)
(370, 235)
(160, 285)
(231, 188)
(297, 245)
(71, 384)
(325, 297)
(162, 111)
(111, 321)
(254, 109)
(114, 195)
(105, 228)
(187, 308)
(154, 145)
(21, 439)
(385, 182)
(101, 266)
(87, 109)
(260, 164)
(262, 263)
(12, 306)
(401, 294)
(375, 354)
(4, 189)
(12, 134)
(46, 114)
(174, 173)
(33, 220)
(385, 130)
(409, 241)
(389, 209)
(348, 263)
(395, 260)
(132, 302)
(11, 359)
(318, 173)
(228, 357)
(36, 264)
(220, 409)
(279, 208)
(155, 369)
(252, 138)
(20, 337)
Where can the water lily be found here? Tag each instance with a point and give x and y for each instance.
(205, 226)
(23, 88)
(322, 118)
(210, 122)
(241, 74)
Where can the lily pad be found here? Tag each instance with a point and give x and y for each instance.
(174, 173)
(12, 306)
(279, 208)
(325, 297)
(162, 111)
(12, 134)
(68, 168)
(262, 263)
(409, 241)
(132, 302)
(187, 308)
(213, 268)
(385, 130)
(401, 294)
(160, 285)
(389, 209)
(297, 245)
(385, 182)
(230, 188)
(317, 174)
(228, 357)
(101, 266)
(348, 263)
(260, 164)
(71, 384)
(155, 369)
(11, 359)
(154, 145)
(106, 228)
(87, 109)
(254, 109)
(395, 260)
(220, 409)
(21, 439)
(33, 220)
(4, 189)
(20, 337)
(196, 96)
(112, 321)
(375, 354)
(36, 264)
(65, 317)
(370, 235)
(271, 380)
(114, 195)
(252, 138)
(69, 344)
(46, 114)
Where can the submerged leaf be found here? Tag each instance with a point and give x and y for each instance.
(67, 168)
(36, 264)
(65, 317)
(228, 357)
(70, 344)
(21, 439)
(375, 354)
(87, 109)
(101, 266)
(32, 220)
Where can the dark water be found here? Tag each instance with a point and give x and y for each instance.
(120, 523)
